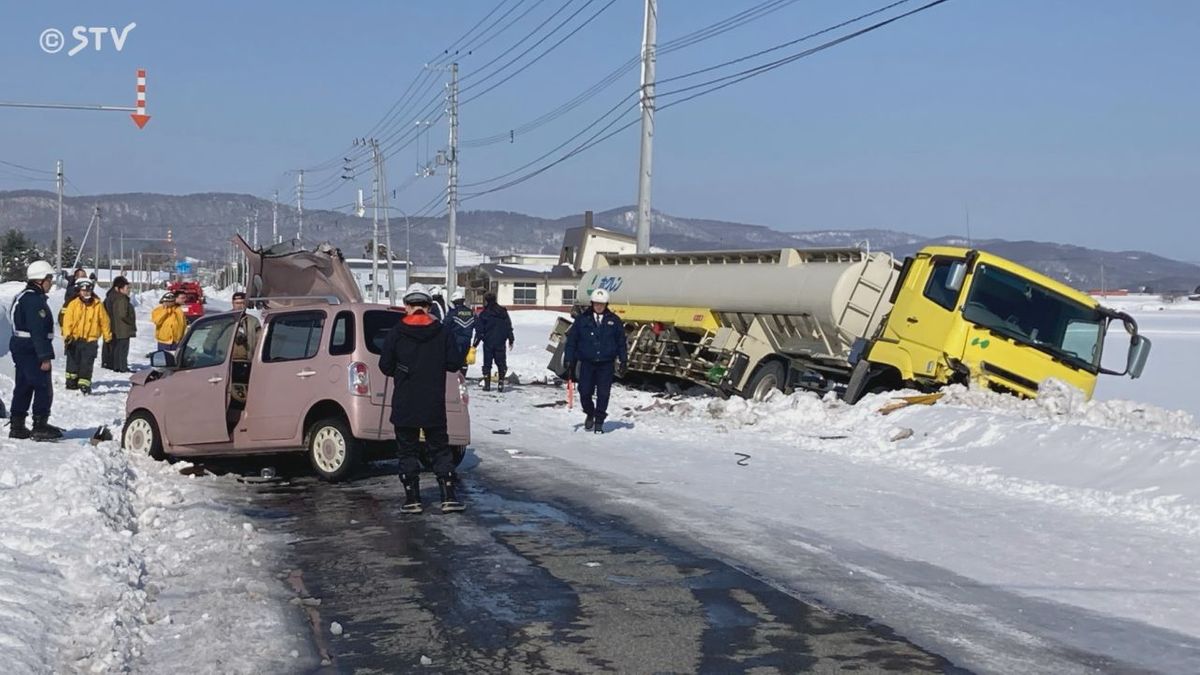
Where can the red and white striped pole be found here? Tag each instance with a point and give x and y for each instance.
(140, 117)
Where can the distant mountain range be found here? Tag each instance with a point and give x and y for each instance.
(202, 225)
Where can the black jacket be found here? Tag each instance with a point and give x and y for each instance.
(493, 327)
(418, 358)
(33, 326)
(596, 341)
(461, 320)
(120, 314)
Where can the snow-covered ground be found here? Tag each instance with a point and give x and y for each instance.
(115, 563)
(1003, 533)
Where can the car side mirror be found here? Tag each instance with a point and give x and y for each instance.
(1139, 352)
(162, 360)
(958, 274)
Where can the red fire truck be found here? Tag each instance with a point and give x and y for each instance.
(190, 297)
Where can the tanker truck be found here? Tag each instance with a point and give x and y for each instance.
(852, 321)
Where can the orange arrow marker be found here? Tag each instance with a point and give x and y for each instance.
(140, 117)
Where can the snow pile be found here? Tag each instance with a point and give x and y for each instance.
(115, 563)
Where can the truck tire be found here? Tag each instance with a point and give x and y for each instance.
(141, 435)
(768, 376)
(333, 452)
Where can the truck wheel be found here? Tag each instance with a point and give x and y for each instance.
(141, 435)
(334, 453)
(768, 376)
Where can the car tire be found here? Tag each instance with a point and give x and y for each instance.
(141, 435)
(332, 450)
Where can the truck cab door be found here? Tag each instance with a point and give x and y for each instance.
(197, 392)
(925, 314)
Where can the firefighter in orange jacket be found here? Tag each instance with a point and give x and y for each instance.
(85, 321)
(169, 323)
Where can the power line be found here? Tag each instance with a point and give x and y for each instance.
(719, 83)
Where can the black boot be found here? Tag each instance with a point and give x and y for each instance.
(72, 383)
(412, 493)
(589, 422)
(500, 381)
(487, 382)
(450, 503)
(43, 430)
(598, 427)
(17, 428)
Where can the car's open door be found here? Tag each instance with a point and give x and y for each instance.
(197, 391)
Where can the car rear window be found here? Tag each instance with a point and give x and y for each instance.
(376, 326)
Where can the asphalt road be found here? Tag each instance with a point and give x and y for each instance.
(524, 583)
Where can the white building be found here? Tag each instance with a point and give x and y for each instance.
(581, 244)
(362, 269)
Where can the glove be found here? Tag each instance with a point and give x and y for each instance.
(621, 369)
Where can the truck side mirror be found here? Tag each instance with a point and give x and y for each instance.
(958, 274)
(1139, 352)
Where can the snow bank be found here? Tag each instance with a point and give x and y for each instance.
(115, 563)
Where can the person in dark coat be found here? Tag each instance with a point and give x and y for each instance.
(461, 320)
(32, 354)
(493, 328)
(595, 342)
(418, 353)
(115, 355)
(71, 292)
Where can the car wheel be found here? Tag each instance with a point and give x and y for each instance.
(767, 378)
(141, 435)
(334, 453)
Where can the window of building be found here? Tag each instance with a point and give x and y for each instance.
(568, 296)
(524, 293)
(293, 337)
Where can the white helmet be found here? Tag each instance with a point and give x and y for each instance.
(600, 295)
(417, 293)
(458, 295)
(39, 270)
(437, 290)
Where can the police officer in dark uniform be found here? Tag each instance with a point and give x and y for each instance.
(33, 352)
(493, 328)
(461, 321)
(595, 342)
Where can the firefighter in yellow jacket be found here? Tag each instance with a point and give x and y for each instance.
(85, 321)
(169, 323)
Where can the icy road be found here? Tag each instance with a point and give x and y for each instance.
(982, 533)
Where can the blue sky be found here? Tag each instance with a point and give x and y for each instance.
(1047, 119)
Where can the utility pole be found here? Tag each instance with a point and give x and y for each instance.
(275, 219)
(96, 262)
(300, 204)
(254, 234)
(452, 187)
(58, 261)
(374, 221)
(649, 36)
(387, 232)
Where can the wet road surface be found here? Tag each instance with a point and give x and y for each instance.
(521, 585)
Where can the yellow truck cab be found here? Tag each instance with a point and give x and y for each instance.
(960, 314)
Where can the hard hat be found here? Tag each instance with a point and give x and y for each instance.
(84, 283)
(437, 290)
(417, 294)
(600, 295)
(458, 295)
(38, 270)
(167, 297)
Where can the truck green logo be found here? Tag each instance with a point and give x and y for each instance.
(983, 344)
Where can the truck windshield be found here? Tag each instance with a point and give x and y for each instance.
(376, 325)
(1017, 308)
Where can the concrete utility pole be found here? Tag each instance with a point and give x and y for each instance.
(96, 262)
(374, 221)
(58, 261)
(387, 230)
(452, 187)
(300, 204)
(649, 37)
(275, 219)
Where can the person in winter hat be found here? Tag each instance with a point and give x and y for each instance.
(71, 291)
(461, 320)
(595, 342)
(123, 321)
(437, 305)
(84, 323)
(33, 353)
(418, 353)
(493, 328)
(169, 323)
